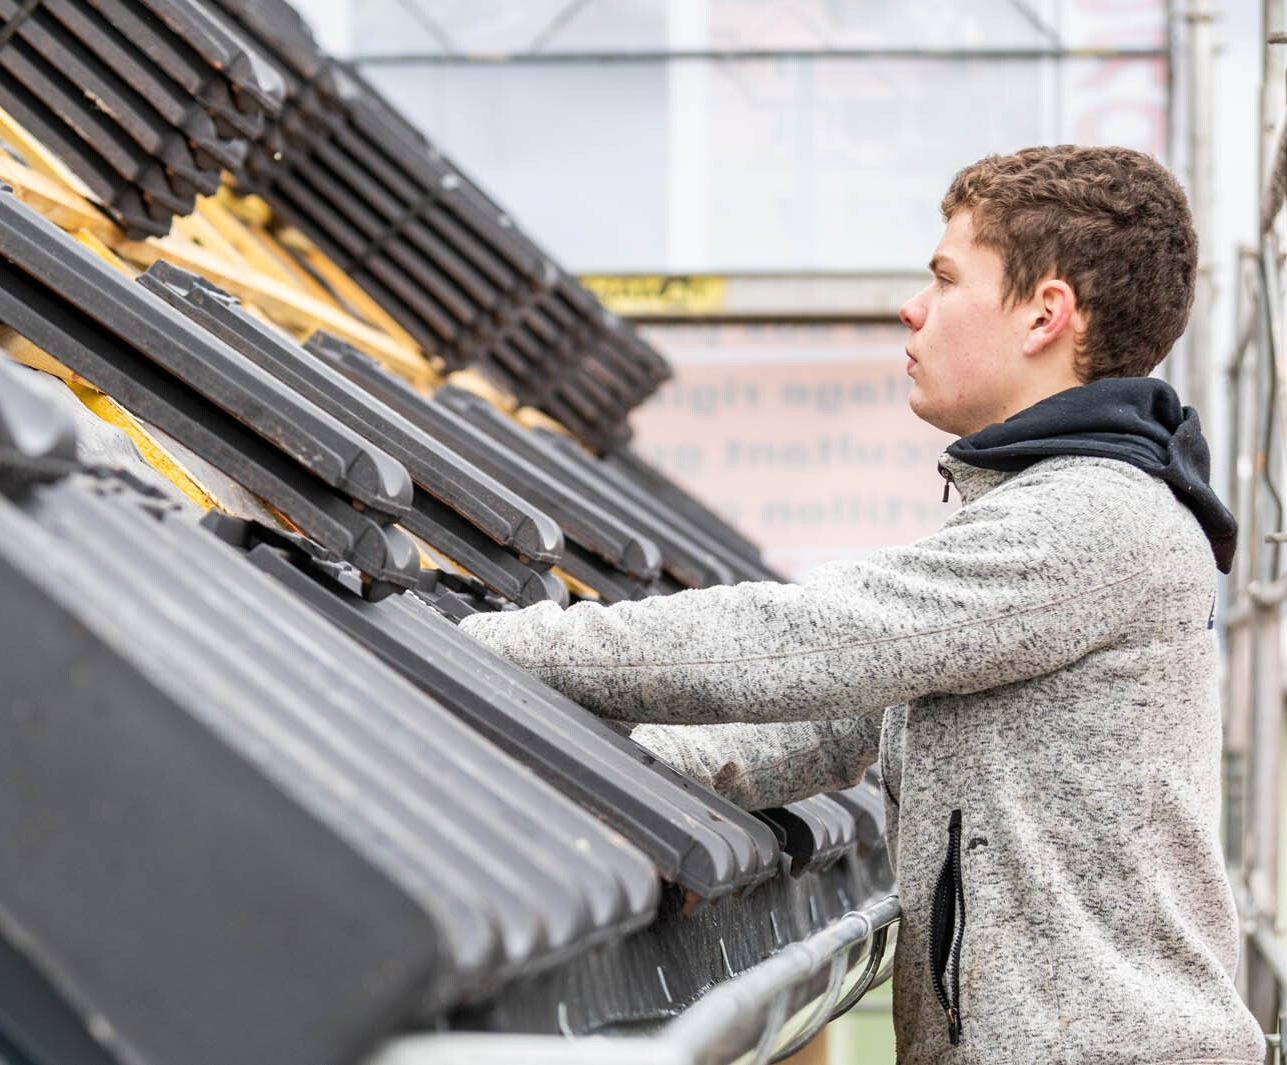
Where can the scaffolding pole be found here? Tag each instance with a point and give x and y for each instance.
(1199, 17)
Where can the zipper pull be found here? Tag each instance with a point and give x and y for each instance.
(953, 1025)
(947, 481)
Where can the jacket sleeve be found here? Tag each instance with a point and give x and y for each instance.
(758, 766)
(1022, 582)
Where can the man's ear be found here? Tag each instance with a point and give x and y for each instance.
(1054, 314)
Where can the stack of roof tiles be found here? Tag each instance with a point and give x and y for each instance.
(442, 258)
(146, 100)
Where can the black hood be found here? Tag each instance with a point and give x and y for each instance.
(1133, 419)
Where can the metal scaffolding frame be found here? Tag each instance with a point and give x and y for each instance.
(1255, 439)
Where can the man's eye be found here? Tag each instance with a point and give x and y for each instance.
(941, 280)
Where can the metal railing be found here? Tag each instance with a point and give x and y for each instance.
(745, 1019)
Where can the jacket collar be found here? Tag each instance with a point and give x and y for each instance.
(970, 482)
(1136, 420)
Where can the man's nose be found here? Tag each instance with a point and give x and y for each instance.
(912, 313)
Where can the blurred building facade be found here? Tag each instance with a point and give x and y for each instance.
(757, 183)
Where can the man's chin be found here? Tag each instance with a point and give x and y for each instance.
(927, 412)
(920, 405)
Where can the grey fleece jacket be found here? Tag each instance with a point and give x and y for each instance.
(1050, 669)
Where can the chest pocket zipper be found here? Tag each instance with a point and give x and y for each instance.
(947, 930)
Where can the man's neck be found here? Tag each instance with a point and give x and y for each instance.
(1027, 397)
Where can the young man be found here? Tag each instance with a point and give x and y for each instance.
(1051, 747)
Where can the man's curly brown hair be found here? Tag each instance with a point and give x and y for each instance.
(1112, 222)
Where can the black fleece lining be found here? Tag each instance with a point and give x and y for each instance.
(1138, 420)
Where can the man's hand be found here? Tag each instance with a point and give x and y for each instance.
(758, 766)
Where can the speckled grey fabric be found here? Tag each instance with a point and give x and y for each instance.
(1051, 645)
(757, 766)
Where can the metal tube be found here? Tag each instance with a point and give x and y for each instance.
(1266, 739)
(455, 59)
(1271, 951)
(1237, 609)
(1265, 957)
(822, 1012)
(718, 1020)
(772, 1028)
(1245, 315)
(1275, 186)
(1198, 17)
(1243, 611)
(715, 1029)
(866, 979)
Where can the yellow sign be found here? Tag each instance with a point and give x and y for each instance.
(642, 295)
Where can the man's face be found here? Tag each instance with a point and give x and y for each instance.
(965, 351)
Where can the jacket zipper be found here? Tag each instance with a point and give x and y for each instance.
(947, 930)
(947, 481)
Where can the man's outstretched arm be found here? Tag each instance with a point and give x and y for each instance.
(1024, 581)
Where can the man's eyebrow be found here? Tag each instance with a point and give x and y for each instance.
(940, 262)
